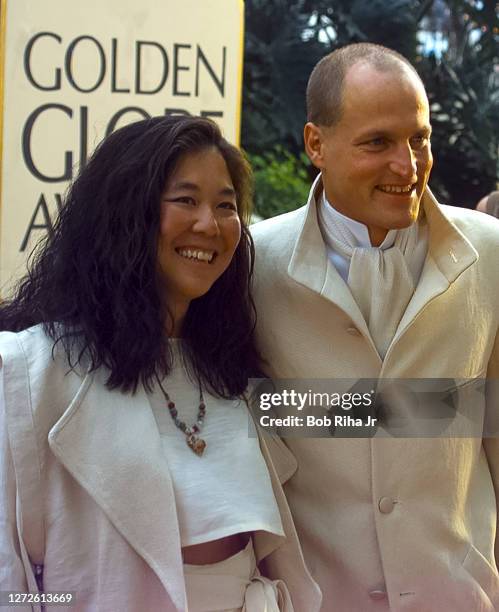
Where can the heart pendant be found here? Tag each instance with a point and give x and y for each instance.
(197, 445)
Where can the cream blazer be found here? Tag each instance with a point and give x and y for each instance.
(86, 491)
(407, 525)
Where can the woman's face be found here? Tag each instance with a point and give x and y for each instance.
(199, 227)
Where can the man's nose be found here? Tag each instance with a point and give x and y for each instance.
(404, 162)
(205, 221)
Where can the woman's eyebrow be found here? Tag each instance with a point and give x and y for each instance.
(185, 185)
(188, 186)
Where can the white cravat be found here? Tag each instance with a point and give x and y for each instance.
(382, 279)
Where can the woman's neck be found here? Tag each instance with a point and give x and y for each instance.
(175, 319)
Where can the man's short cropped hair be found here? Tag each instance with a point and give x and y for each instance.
(325, 85)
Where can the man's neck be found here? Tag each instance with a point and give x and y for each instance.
(362, 233)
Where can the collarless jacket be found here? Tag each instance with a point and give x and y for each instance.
(390, 523)
(86, 491)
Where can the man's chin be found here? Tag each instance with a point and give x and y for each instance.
(406, 220)
(401, 221)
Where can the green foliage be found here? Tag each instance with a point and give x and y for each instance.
(285, 39)
(463, 89)
(281, 181)
(277, 63)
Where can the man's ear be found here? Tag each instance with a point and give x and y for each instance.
(312, 135)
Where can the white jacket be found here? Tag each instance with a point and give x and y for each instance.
(85, 490)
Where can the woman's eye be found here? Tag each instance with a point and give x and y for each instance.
(184, 200)
(376, 142)
(228, 205)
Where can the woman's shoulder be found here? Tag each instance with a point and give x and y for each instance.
(31, 353)
(36, 370)
(36, 349)
(28, 343)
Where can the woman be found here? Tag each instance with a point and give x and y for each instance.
(129, 474)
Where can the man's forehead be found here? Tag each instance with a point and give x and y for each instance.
(370, 90)
(367, 75)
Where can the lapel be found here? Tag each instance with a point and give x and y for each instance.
(110, 444)
(281, 466)
(288, 563)
(310, 265)
(449, 255)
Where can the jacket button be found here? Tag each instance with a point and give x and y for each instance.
(353, 331)
(386, 505)
(377, 595)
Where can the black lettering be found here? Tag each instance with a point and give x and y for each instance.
(138, 60)
(58, 202)
(177, 111)
(211, 113)
(68, 63)
(83, 136)
(114, 63)
(177, 69)
(26, 143)
(27, 63)
(118, 115)
(42, 207)
(219, 82)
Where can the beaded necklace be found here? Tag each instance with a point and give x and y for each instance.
(194, 442)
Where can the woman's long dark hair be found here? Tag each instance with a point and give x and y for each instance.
(94, 282)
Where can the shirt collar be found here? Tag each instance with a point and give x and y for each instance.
(359, 230)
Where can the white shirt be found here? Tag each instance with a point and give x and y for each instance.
(326, 211)
(228, 489)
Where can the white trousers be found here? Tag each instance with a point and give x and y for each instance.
(234, 585)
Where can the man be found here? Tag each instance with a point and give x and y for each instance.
(374, 279)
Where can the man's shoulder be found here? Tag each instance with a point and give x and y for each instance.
(282, 226)
(479, 228)
(469, 216)
(275, 240)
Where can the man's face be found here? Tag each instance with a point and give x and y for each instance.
(376, 160)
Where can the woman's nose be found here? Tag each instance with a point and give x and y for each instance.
(205, 221)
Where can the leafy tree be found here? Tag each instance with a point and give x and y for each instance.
(281, 181)
(463, 88)
(277, 64)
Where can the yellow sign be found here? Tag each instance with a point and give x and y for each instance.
(74, 71)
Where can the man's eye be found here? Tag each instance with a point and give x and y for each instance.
(418, 142)
(375, 143)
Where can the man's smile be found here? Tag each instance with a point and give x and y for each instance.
(397, 189)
